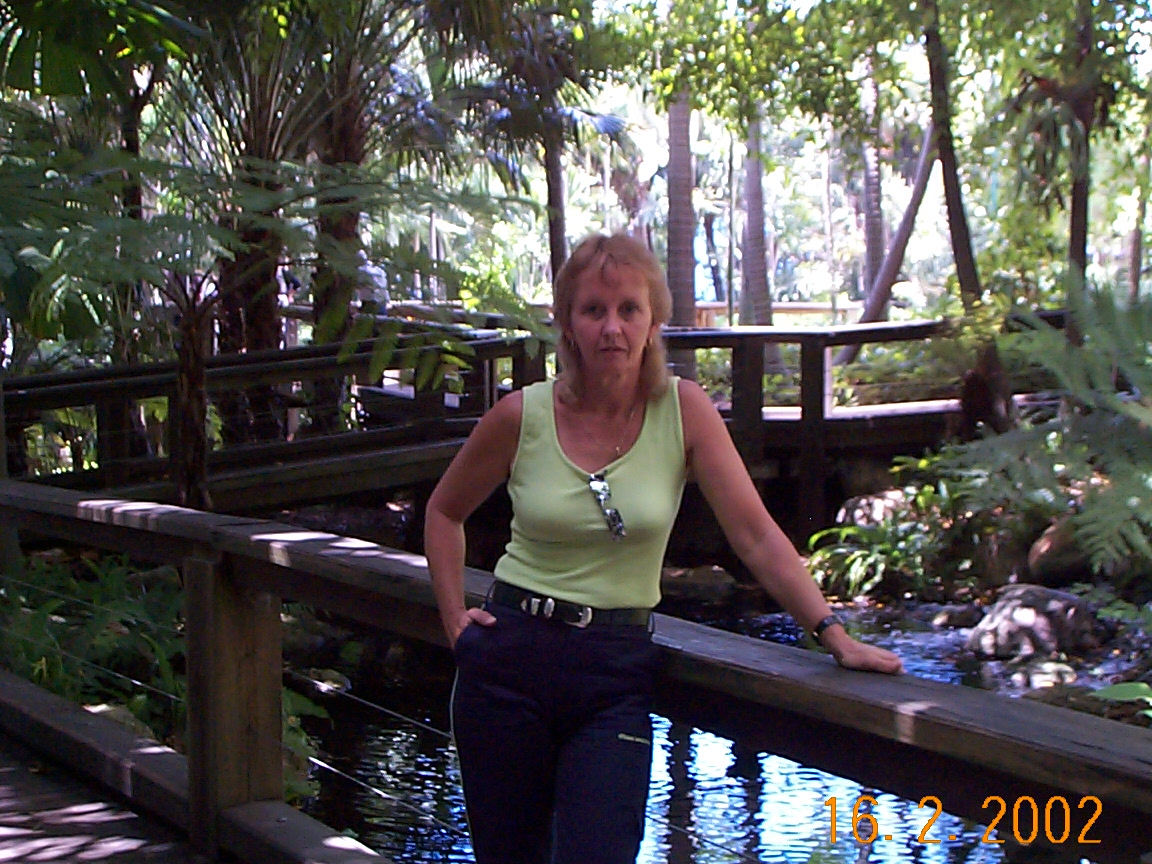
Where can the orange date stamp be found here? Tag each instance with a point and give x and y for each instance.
(1026, 817)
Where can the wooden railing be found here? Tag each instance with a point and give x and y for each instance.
(113, 392)
(746, 418)
(811, 427)
(237, 570)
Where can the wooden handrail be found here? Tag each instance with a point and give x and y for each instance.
(238, 569)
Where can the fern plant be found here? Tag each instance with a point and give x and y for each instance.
(1093, 460)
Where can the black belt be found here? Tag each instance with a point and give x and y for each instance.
(565, 612)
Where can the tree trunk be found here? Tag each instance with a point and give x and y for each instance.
(188, 461)
(875, 309)
(250, 321)
(829, 234)
(1136, 238)
(757, 294)
(714, 257)
(332, 294)
(966, 271)
(757, 289)
(681, 226)
(681, 216)
(343, 141)
(554, 173)
(1084, 114)
(873, 191)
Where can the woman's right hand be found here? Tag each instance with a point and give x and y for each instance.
(480, 616)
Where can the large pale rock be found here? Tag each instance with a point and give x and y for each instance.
(1055, 559)
(872, 509)
(1030, 620)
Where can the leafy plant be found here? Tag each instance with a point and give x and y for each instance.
(1094, 459)
(851, 560)
(99, 630)
(1128, 691)
(298, 744)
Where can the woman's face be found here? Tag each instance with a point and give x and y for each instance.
(611, 320)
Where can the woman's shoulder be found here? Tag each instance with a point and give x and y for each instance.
(692, 396)
(509, 406)
(698, 413)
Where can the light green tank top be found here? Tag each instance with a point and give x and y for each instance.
(561, 545)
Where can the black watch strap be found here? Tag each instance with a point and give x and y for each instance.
(824, 623)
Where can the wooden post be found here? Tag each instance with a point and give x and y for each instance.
(9, 537)
(113, 429)
(748, 399)
(525, 369)
(815, 402)
(234, 681)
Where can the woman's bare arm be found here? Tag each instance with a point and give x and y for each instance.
(482, 464)
(754, 534)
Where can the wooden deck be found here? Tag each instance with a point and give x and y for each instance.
(913, 736)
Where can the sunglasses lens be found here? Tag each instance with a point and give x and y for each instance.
(615, 522)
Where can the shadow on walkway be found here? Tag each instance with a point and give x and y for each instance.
(48, 814)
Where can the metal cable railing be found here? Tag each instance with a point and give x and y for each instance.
(103, 669)
(94, 606)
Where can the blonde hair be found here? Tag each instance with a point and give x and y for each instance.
(594, 253)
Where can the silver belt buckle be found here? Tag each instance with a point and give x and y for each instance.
(537, 606)
(585, 617)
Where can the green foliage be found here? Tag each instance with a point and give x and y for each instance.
(714, 372)
(97, 630)
(1129, 691)
(88, 628)
(1094, 458)
(896, 553)
(298, 744)
(71, 47)
(1108, 605)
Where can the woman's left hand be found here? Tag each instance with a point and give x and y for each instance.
(865, 658)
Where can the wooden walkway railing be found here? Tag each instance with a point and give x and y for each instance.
(799, 442)
(114, 391)
(919, 737)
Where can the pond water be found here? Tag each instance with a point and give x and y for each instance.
(710, 799)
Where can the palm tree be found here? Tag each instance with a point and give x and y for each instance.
(525, 75)
(252, 98)
(366, 39)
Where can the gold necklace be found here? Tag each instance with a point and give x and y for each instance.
(618, 447)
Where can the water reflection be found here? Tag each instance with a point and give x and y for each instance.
(710, 800)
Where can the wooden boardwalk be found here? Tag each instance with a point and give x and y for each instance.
(47, 813)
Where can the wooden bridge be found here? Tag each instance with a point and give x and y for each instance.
(409, 437)
(900, 734)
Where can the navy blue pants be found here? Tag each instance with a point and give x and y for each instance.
(554, 735)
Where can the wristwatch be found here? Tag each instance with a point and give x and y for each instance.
(824, 623)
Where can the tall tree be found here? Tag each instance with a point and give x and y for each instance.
(253, 98)
(873, 187)
(1136, 237)
(366, 104)
(757, 296)
(527, 73)
(681, 213)
(966, 271)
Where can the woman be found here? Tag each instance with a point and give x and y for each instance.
(550, 711)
